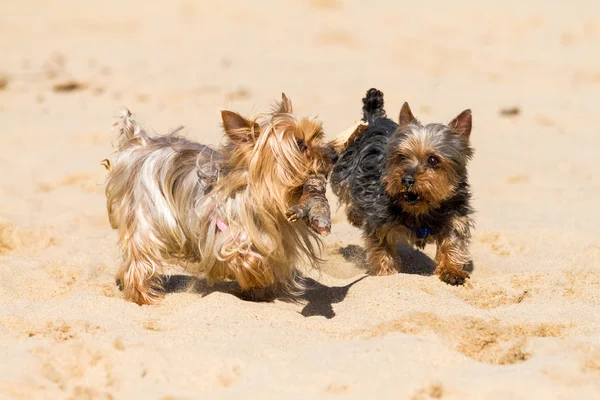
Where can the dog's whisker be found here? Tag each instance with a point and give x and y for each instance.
(174, 131)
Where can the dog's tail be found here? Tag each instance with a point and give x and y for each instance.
(130, 132)
(373, 106)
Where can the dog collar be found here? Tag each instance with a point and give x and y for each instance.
(421, 233)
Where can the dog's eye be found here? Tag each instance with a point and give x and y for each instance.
(301, 145)
(433, 161)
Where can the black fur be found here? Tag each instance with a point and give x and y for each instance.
(373, 106)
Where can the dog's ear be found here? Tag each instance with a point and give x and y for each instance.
(239, 128)
(406, 116)
(285, 106)
(462, 124)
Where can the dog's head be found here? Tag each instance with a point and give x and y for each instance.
(278, 151)
(426, 163)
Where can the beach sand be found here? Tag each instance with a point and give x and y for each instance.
(527, 323)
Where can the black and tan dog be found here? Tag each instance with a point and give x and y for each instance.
(407, 182)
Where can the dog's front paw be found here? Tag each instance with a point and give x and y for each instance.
(452, 276)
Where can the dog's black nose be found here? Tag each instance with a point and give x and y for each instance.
(332, 154)
(335, 157)
(408, 181)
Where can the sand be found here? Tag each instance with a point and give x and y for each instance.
(527, 323)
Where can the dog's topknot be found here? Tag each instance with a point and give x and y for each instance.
(373, 106)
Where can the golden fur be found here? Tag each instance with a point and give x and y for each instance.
(221, 212)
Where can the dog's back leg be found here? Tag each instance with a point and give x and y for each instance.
(138, 274)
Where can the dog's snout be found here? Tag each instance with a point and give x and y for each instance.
(408, 181)
(331, 154)
(334, 156)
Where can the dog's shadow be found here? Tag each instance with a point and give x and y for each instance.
(413, 261)
(319, 298)
(196, 285)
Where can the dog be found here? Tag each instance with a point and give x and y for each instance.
(221, 212)
(407, 182)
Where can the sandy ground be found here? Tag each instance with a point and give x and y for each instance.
(527, 324)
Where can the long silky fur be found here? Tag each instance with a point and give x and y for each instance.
(166, 193)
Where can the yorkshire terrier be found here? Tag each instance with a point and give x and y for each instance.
(407, 182)
(222, 212)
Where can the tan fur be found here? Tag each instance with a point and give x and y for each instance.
(166, 194)
(354, 217)
(452, 251)
(380, 257)
(434, 185)
(381, 249)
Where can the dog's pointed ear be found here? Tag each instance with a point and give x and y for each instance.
(462, 124)
(237, 127)
(285, 106)
(406, 116)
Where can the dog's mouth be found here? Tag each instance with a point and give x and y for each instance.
(411, 198)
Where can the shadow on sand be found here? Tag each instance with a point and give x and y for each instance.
(413, 261)
(319, 298)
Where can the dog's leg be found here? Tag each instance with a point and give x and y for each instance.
(250, 271)
(256, 282)
(354, 217)
(453, 251)
(380, 257)
(137, 275)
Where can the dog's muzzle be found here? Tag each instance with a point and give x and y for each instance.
(408, 181)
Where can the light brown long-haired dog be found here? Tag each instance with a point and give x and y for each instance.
(222, 212)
